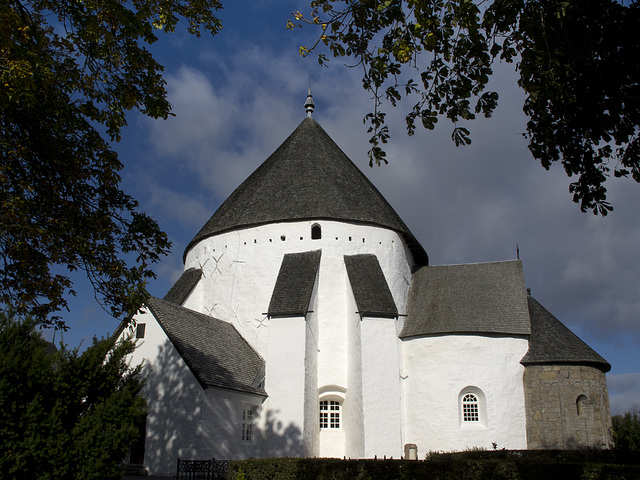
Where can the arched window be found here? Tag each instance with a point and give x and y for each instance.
(581, 403)
(472, 408)
(316, 232)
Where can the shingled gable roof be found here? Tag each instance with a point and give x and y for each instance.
(180, 290)
(213, 349)
(481, 298)
(369, 286)
(553, 343)
(294, 285)
(307, 177)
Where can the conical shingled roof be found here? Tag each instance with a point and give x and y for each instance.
(307, 178)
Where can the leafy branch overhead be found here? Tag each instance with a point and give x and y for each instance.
(577, 62)
(69, 73)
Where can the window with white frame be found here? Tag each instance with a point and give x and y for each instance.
(248, 415)
(330, 414)
(472, 408)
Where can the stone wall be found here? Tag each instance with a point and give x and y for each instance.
(567, 407)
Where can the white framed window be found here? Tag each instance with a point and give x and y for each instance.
(248, 421)
(472, 408)
(330, 413)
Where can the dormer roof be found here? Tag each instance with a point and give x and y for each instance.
(307, 178)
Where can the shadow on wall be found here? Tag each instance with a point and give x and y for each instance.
(278, 440)
(184, 420)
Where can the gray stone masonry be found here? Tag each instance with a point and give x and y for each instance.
(567, 407)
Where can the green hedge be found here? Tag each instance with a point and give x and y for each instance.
(489, 465)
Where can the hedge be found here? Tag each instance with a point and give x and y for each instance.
(476, 465)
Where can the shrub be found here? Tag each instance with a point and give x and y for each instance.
(626, 430)
(64, 415)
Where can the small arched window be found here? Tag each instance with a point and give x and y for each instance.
(316, 232)
(472, 408)
(581, 403)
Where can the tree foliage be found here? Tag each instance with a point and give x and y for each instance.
(69, 73)
(576, 59)
(65, 415)
(626, 431)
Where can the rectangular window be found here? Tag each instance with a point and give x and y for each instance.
(329, 414)
(247, 424)
(140, 329)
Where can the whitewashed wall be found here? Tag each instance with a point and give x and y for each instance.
(436, 369)
(311, 429)
(381, 396)
(184, 420)
(284, 409)
(353, 421)
(240, 270)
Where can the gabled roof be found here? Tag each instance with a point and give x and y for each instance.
(213, 349)
(307, 178)
(180, 290)
(369, 286)
(294, 285)
(486, 298)
(553, 343)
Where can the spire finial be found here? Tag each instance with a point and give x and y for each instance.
(309, 105)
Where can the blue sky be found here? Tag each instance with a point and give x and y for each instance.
(237, 97)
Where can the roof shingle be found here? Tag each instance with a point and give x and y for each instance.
(307, 177)
(551, 342)
(485, 298)
(213, 349)
(294, 285)
(180, 290)
(369, 286)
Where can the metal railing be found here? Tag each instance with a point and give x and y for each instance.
(202, 469)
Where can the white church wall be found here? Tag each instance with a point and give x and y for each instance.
(311, 430)
(240, 269)
(381, 388)
(436, 370)
(239, 273)
(284, 409)
(184, 420)
(353, 423)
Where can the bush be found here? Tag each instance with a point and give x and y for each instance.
(64, 415)
(626, 430)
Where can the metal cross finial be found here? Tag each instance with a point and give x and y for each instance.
(309, 105)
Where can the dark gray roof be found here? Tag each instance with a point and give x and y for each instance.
(180, 290)
(369, 286)
(553, 343)
(294, 285)
(215, 352)
(307, 177)
(487, 298)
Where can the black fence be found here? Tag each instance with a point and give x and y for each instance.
(202, 469)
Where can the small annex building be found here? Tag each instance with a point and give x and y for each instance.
(308, 322)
